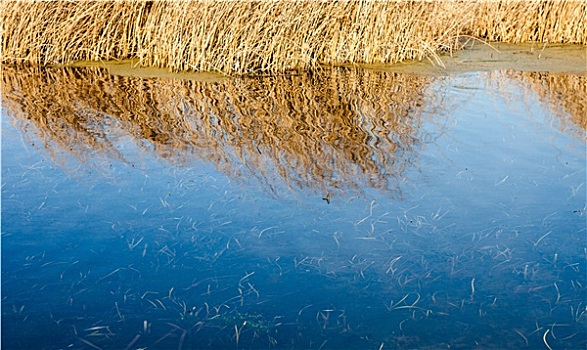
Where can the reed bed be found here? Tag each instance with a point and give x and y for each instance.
(243, 37)
(511, 21)
(327, 131)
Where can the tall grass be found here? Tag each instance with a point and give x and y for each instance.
(269, 36)
(550, 21)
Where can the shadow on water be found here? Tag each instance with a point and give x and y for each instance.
(335, 209)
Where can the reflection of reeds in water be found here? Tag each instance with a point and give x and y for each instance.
(329, 131)
(253, 36)
(562, 93)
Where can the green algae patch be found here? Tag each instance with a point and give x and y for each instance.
(131, 68)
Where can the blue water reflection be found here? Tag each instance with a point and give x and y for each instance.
(476, 240)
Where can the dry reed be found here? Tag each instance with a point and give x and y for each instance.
(515, 21)
(273, 36)
(328, 131)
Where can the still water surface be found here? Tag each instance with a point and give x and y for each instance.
(339, 209)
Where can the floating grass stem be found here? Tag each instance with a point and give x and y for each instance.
(544, 339)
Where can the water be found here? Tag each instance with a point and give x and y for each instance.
(340, 209)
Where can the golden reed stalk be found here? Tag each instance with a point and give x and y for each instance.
(272, 36)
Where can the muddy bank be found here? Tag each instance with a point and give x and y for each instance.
(131, 68)
(478, 56)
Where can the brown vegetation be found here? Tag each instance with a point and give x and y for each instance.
(253, 36)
